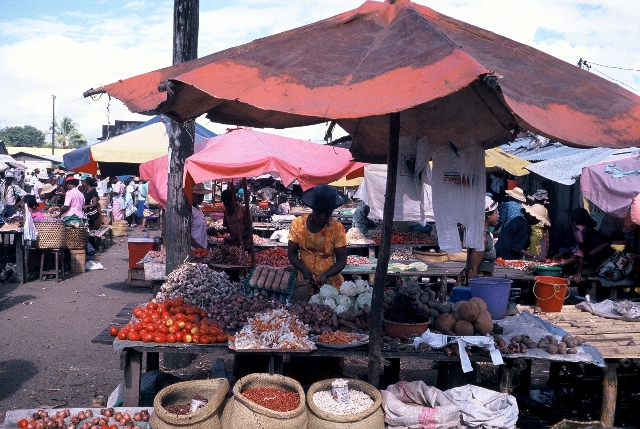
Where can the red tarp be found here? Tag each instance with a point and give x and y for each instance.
(249, 153)
(451, 80)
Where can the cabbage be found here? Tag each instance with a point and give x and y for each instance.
(330, 302)
(316, 299)
(344, 301)
(363, 299)
(340, 309)
(361, 286)
(348, 289)
(328, 291)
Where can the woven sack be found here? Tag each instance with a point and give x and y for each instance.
(76, 238)
(51, 234)
(207, 417)
(120, 228)
(241, 413)
(373, 418)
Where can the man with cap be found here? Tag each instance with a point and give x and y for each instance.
(41, 179)
(317, 241)
(10, 194)
(482, 262)
(199, 239)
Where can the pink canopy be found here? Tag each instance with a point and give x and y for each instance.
(248, 153)
(614, 189)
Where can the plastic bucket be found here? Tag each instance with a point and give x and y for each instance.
(550, 293)
(512, 184)
(494, 291)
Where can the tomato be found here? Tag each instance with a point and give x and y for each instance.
(179, 336)
(147, 319)
(204, 330)
(221, 338)
(162, 329)
(113, 331)
(23, 423)
(165, 315)
(187, 338)
(195, 338)
(113, 427)
(152, 306)
(133, 335)
(159, 338)
(179, 300)
(147, 337)
(180, 317)
(203, 313)
(171, 338)
(155, 316)
(204, 339)
(138, 326)
(137, 312)
(189, 311)
(150, 327)
(191, 318)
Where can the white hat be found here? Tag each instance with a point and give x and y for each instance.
(517, 193)
(43, 175)
(9, 173)
(539, 212)
(489, 204)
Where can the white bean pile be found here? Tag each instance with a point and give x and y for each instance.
(358, 402)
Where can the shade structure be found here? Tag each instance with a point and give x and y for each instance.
(452, 81)
(8, 162)
(497, 158)
(124, 153)
(250, 153)
(613, 184)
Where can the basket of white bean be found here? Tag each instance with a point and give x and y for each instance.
(362, 411)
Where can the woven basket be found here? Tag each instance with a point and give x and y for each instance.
(51, 234)
(120, 228)
(573, 424)
(241, 413)
(207, 417)
(373, 418)
(76, 238)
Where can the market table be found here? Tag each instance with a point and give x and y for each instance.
(12, 242)
(615, 339)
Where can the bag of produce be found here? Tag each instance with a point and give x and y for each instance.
(273, 391)
(183, 393)
(326, 413)
(435, 409)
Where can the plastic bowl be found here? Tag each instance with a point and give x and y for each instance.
(399, 330)
(548, 270)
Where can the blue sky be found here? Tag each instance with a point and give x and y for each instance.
(65, 47)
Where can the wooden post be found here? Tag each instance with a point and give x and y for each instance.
(249, 220)
(375, 327)
(609, 393)
(181, 137)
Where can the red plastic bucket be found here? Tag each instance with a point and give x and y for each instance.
(550, 293)
(512, 184)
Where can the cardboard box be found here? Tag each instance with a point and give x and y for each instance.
(78, 260)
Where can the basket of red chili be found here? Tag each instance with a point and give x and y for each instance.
(266, 401)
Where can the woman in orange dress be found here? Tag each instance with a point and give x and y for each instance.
(317, 241)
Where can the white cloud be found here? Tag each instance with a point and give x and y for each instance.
(73, 51)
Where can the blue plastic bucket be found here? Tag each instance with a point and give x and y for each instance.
(460, 293)
(494, 291)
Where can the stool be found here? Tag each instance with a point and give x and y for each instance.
(58, 268)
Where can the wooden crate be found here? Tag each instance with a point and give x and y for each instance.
(155, 271)
(136, 279)
(78, 260)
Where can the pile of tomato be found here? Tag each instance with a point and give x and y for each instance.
(170, 321)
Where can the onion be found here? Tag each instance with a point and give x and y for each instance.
(82, 415)
(127, 416)
(137, 417)
(122, 422)
(89, 413)
(117, 416)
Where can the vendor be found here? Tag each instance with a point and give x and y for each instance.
(361, 219)
(73, 200)
(29, 202)
(235, 221)
(318, 242)
(539, 239)
(41, 179)
(482, 262)
(515, 235)
(199, 238)
(10, 194)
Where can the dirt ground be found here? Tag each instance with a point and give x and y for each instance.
(47, 359)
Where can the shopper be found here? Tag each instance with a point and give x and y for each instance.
(515, 235)
(117, 198)
(199, 239)
(73, 200)
(235, 221)
(361, 219)
(92, 207)
(482, 262)
(29, 202)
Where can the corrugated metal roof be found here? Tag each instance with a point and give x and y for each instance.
(512, 164)
(526, 148)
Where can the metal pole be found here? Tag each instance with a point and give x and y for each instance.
(53, 125)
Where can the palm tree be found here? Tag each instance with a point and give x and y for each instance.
(68, 134)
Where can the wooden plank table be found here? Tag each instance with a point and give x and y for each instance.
(615, 339)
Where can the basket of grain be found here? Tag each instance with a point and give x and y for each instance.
(208, 417)
(363, 411)
(264, 401)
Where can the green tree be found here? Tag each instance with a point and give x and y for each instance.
(26, 136)
(68, 135)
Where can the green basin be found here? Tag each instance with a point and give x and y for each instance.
(548, 270)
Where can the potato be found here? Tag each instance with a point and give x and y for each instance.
(517, 338)
(572, 351)
(552, 349)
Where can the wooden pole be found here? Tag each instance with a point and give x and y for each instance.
(609, 393)
(181, 137)
(249, 220)
(375, 325)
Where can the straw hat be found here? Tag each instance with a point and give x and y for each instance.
(200, 189)
(323, 198)
(539, 212)
(517, 193)
(48, 188)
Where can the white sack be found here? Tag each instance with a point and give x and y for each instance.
(484, 408)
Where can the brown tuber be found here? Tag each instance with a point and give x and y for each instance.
(572, 351)
(483, 324)
(480, 303)
(562, 348)
(444, 308)
(445, 322)
(552, 349)
(463, 328)
(467, 311)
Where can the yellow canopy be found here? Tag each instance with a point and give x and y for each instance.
(347, 182)
(145, 144)
(497, 158)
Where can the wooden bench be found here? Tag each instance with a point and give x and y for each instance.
(104, 236)
(611, 285)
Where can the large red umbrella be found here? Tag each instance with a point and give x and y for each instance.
(250, 153)
(452, 81)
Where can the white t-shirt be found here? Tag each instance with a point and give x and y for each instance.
(199, 227)
(102, 188)
(36, 190)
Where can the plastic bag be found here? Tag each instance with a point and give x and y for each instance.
(93, 265)
(30, 231)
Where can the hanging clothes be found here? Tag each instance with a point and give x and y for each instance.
(458, 184)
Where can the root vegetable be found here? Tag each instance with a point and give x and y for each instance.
(256, 274)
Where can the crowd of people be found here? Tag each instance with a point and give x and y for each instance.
(82, 198)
